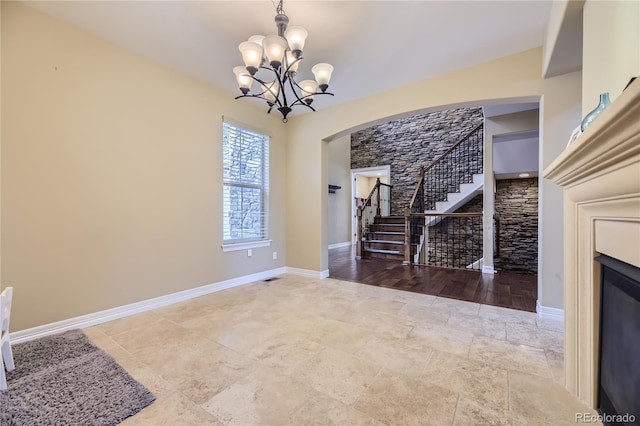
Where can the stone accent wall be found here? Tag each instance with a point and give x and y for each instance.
(410, 143)
(457, 242)
(516, 204)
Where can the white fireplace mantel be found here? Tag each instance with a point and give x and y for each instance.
(600, 176)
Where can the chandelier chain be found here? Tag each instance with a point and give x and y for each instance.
(279, 7)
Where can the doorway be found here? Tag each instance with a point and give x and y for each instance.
(362, 182)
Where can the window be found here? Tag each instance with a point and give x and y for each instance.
(245, 156)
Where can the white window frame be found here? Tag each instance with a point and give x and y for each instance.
(263, 186)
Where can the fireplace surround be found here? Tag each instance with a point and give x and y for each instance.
(600, 177)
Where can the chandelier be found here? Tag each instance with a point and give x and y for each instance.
(280, 56)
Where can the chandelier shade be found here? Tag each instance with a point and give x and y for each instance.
(296, 36)
(280, 55)
(251, 55)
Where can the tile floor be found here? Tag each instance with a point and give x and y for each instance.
(304, 351)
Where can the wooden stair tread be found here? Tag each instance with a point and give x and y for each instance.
(385, 241)
(382, 251)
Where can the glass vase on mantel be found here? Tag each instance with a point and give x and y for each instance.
(604, 103)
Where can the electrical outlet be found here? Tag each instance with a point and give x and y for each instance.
(249, 253)
(275, 255)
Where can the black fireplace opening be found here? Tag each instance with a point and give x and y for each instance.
(619, 366)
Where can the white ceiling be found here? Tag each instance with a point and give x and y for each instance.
(374, 45)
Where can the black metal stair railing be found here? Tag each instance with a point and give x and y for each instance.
(450, 239)
(377, 204)
(454, 240)
(456, 166)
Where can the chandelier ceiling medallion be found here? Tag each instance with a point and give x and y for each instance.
(280, 55)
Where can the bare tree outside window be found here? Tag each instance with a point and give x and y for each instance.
(246, 183)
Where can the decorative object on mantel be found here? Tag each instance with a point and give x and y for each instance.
(333, 188)
(574, 135)
(283, 54)
(604, 103)
(629, 83)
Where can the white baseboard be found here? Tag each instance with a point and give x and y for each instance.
(138, 307)
(338, 245)
(308, 272)
(546, 312)
(488, 270)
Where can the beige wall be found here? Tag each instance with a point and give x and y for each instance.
(611, 49)
(559, 114)
(111, 175)
(339, 204)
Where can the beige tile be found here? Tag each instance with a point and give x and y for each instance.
(267, 312)
(337, 374)
(396, 399)
(511, 356)
(151, 380)
(459, 306)
(295, 340)
(95, 333)
(160, 335)
(126, 324)
(444, 338)
(534, 397)
(409, 297)
(265, 397)
(478, 326)
(231, 298)
(312, 325)
(322, 411)
(184, 311)
(199, 372)
(423, 315)
(549, 324)
(122, 356)
(380, 304)
(407, 356)
(531, 335)
(336, 297)
(348, 337)
(244, 336)
(170, 410)
(345, 312)
(471, 413)
(556, 363)
(285, 351)
(504, 314)
(358, 288)
(209, 323)
(480, 382)
(391, 326)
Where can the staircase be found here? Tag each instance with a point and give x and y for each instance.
(385, 239)
(445, 185)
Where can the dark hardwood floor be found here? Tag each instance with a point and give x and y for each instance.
(501, 289)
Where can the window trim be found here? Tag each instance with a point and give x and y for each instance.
(264, 241)
(245, 245)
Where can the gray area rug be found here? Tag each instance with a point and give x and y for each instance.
(65, 380)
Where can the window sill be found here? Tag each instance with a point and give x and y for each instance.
(245, 246)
